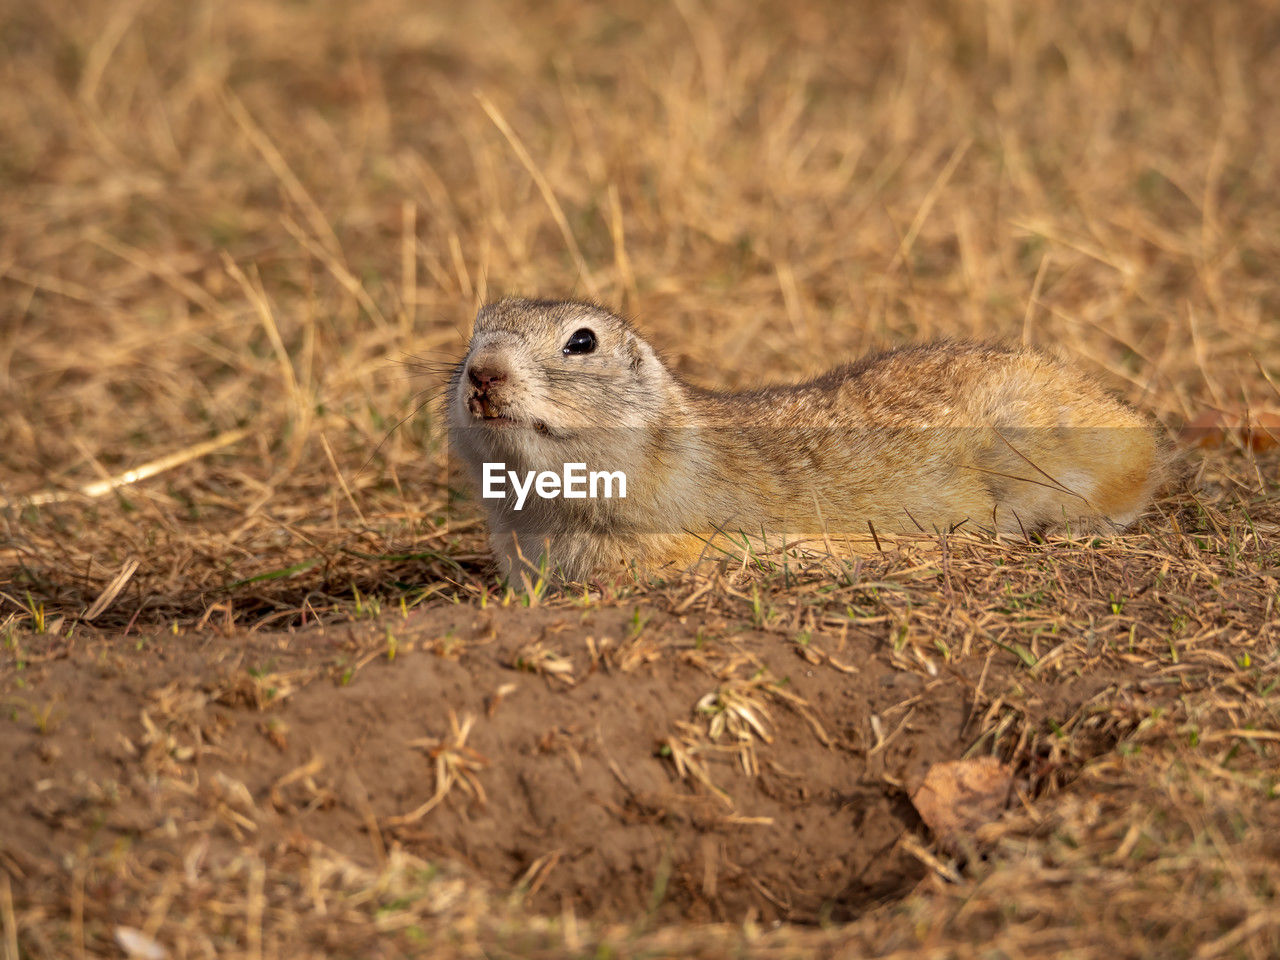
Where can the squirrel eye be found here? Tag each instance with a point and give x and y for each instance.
(582, 341)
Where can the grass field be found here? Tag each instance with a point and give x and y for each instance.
(262, 695)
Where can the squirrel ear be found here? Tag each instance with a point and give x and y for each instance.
(635, 350)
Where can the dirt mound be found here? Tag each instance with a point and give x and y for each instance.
(617, 762)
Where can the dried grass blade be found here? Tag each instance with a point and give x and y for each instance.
(112, 589)
(544, 187)
(147, 470)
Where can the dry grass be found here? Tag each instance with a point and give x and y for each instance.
(264, 228)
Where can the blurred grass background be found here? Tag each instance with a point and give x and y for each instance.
(222, 215)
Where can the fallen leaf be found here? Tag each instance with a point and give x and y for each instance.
(1215, 428)
(959, 796)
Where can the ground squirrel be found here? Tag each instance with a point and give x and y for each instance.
(917, 439)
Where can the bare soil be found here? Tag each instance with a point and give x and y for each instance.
(677, 756)
(580, 804)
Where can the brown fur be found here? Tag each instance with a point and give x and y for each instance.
(920, 439)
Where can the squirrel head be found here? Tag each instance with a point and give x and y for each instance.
(545, 378)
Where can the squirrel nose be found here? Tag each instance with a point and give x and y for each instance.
(484, 376)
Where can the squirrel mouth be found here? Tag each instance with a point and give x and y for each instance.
(488, 414)
(483, 408)
(509, 422)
